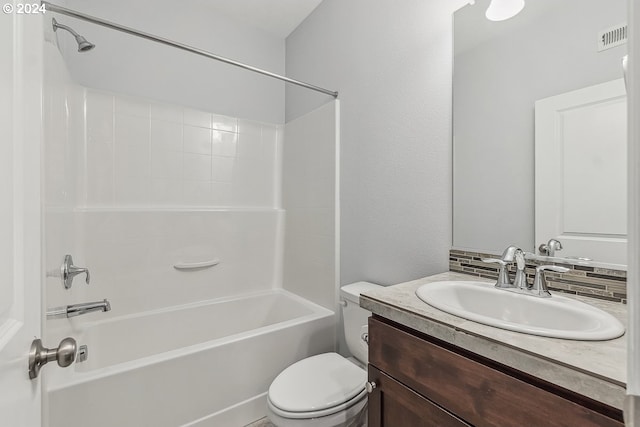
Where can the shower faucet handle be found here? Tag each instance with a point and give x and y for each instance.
(69, 271)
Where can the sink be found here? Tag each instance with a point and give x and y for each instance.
(556, 317)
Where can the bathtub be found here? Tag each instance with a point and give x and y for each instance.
(204, 364)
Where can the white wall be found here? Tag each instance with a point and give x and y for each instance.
(309, 177)
(391, 63)
(496, 85)
(127, 64)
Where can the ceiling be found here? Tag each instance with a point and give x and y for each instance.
(277, 17)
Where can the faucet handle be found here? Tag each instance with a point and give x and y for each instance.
(503, 275)
(550, 248)
(494, 261)
(69, 271)
(539, 287)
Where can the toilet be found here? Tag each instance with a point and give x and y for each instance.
(327, 390)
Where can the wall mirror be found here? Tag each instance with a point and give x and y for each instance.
(502, 71)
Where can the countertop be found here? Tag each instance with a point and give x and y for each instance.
(596, 369)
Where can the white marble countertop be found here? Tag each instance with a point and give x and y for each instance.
(596, 369)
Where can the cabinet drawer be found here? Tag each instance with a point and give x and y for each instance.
(473, 391)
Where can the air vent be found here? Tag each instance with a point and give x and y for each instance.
(612, 37)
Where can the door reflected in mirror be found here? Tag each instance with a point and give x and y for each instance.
(501, 69)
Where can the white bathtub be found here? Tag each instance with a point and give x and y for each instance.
(205, 364)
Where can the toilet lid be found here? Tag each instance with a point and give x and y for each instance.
(317, 383)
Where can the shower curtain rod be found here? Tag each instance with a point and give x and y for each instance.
(69, 12)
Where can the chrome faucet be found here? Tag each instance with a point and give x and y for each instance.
(520, 281)
(539, 287)
(550, 248)
(520, 284)
(78, 309)
(503, 275)
(511, 254)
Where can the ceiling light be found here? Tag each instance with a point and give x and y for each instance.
(500, 10)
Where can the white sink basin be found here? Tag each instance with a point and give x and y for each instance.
(556, 317)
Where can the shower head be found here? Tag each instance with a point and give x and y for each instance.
(83, 44)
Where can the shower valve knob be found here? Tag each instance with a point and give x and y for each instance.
(69, 271)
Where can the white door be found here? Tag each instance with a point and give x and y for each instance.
(632, 404)
(20, 230)
(581, 172)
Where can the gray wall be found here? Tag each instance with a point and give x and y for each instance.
(392, 63)
(130, 65)
(495, 86)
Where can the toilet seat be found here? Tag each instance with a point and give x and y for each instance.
(351, 416)
(316, 414)
(317, 386)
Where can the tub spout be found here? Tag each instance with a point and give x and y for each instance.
(78, 309)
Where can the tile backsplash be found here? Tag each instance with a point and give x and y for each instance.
(594, 282)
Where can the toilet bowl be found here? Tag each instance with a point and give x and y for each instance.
(327, 390)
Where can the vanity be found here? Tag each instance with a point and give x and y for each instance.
(430, 368)
(519, 178)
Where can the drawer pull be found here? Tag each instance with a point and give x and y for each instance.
(370, 386)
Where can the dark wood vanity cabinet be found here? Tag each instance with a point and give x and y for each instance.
(394, 404)
(424, 382)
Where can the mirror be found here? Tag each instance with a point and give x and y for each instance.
(501, 69)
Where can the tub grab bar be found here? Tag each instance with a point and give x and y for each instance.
(196, 265)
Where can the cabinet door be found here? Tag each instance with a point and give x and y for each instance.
(484, 396)
(391, 404)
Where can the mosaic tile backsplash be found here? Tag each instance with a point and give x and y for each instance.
(593, 282)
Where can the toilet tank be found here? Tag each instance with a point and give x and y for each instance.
(356, 318)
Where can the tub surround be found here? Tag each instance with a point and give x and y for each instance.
(596, 370)
(311, 199)
(154, 382)
(134, 187)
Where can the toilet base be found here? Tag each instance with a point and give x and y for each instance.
(353, 416)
